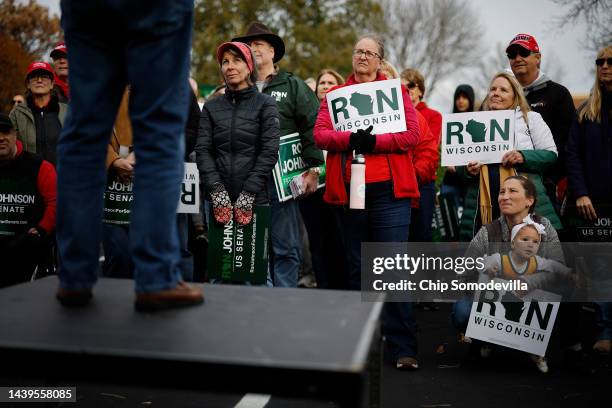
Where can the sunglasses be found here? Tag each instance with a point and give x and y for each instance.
(600, 61)
(17, 101)
(523, 52)
(411, 85)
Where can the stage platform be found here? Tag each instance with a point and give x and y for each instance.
(319, 344)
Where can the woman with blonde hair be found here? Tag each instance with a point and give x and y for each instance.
(534, 151)
(589, 168)
(326, 80)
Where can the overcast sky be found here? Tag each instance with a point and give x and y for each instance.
(501, 20)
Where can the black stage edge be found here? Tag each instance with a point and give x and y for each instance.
(319, 344)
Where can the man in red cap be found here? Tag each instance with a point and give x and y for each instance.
(554, 102)
(59, 55)
(27, 207)
(550, 99)
(39, 121)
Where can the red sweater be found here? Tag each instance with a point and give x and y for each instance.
(46, 183)
(395, 146)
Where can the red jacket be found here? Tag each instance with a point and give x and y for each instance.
(46, 183)
(396, 146)
(434, 119)
(426, 153)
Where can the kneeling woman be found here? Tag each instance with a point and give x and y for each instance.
(238, 139)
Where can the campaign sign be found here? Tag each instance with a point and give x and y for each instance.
(502, 318)
(118, 199)
(290, 165)
(189, 202)
(599, 230)
(239, 253)
(118, 196)
(476, 136)
(378, 104)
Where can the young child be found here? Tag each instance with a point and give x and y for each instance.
(523, 263)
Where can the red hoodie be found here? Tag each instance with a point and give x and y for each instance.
(396, 147)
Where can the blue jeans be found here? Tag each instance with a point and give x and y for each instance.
(422, 217)
(286, 240)
(603, 320)
(115, 242)
(461, 313)
(148, 48)
(385, 219)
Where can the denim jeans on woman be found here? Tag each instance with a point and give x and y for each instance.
(385, 219)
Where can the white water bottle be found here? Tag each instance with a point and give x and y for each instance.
(357, 195)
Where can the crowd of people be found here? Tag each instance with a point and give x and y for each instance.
(560, 167)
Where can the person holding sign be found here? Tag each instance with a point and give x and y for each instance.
(517, 200)
(390, 184)
(27, 207)
(534, 151)
(589, 169)
(297, 110)
(238, 140)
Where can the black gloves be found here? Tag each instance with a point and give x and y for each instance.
(363, 141)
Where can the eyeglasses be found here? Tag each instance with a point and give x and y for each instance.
(600, 62)
(411, 85)
(368, 54)
(523, 52)
(35, 77)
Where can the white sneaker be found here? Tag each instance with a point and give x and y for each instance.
(540, 363)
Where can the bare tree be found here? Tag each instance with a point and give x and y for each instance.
(494, 62)
(596, 13)
(437, 37)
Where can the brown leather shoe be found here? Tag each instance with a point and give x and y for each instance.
(73, 297)
(182, 295)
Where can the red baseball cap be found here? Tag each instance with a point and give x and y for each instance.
(244, 50)
(60, 48)
(39, 66)
(526, 41)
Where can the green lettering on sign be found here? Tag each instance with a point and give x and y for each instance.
(339, 106)
(504, 133)
(454, 129)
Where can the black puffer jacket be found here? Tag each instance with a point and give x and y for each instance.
(238, 142)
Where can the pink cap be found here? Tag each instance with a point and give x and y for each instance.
(244, 50)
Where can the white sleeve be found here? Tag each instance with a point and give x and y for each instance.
(540, 133)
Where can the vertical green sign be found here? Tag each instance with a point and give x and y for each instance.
(237, 253)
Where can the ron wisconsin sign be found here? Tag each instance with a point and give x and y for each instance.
(503, 318)
(359, 106)
(476, 136)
